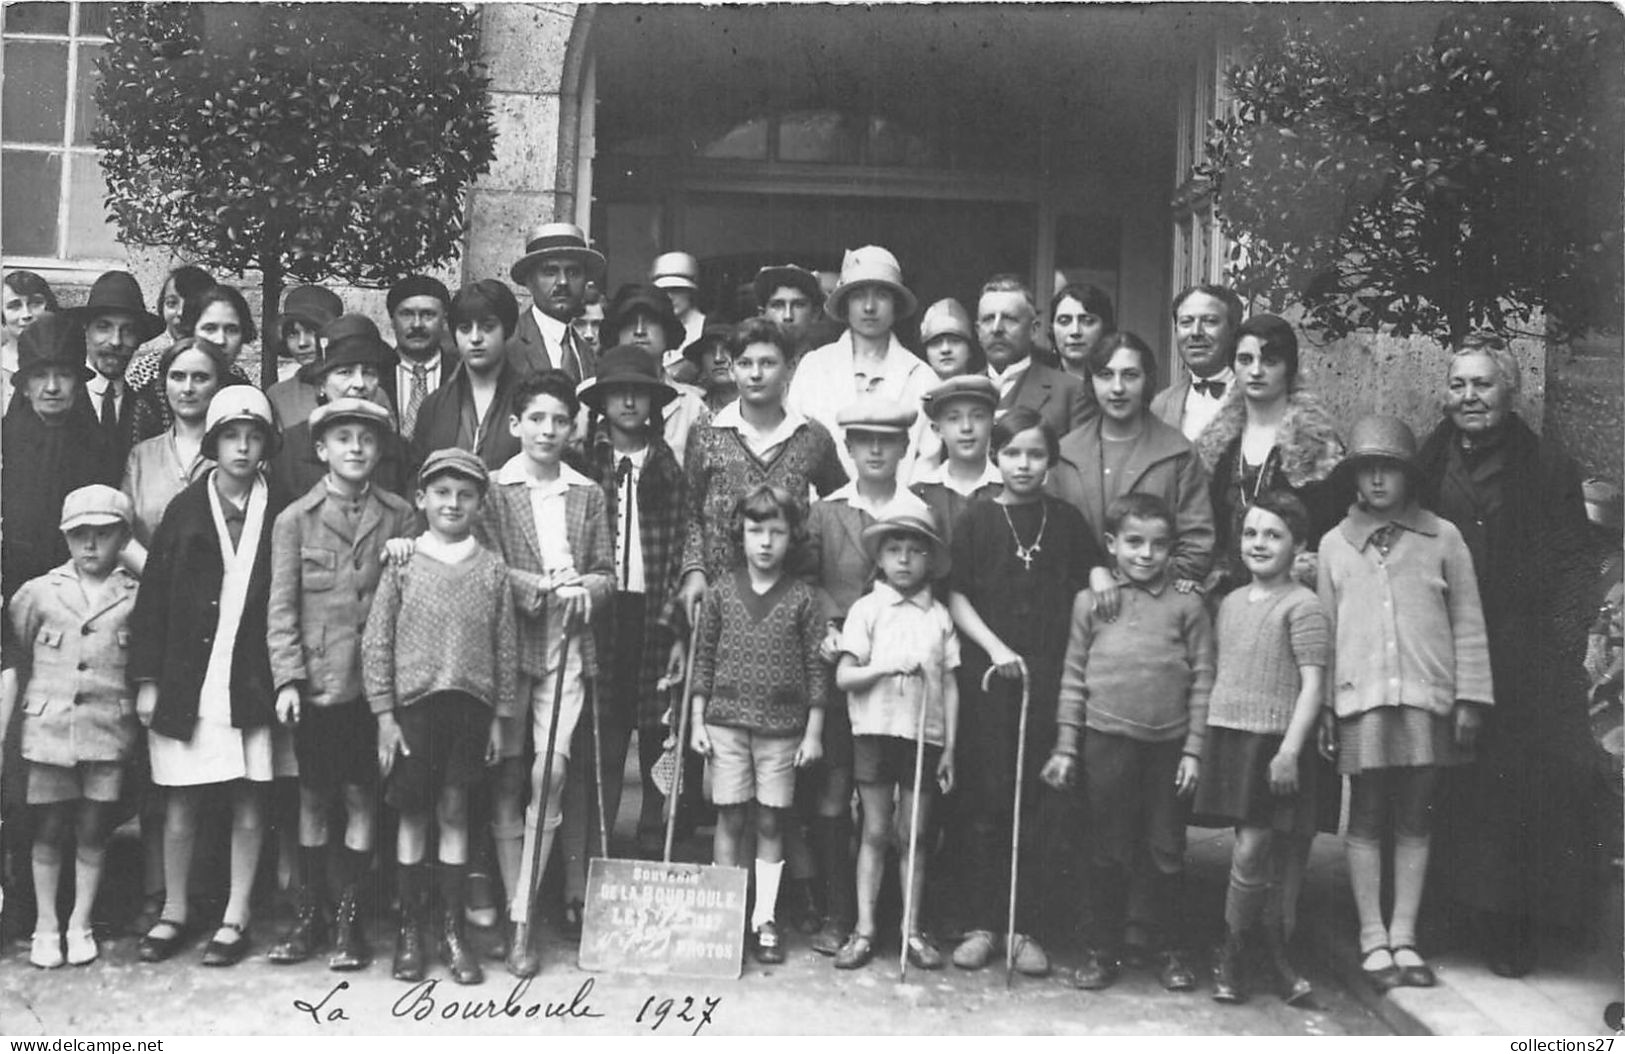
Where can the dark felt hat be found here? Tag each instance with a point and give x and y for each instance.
(349, 340)
(52, 340)
(119, 292)
(630, 299)
(626, 364)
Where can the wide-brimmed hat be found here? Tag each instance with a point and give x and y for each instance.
(1379, 437)
(347, 341)
(870, 265)
(95, 506)
(118, 292)
(633, 298)
(771, 278)
(922, 525)
(312, 305)
(351, 410)
(626, 365)
(675, 271)
(976, 386)
(239, 402)
(52, 340)
(558, 239)
(946, 316)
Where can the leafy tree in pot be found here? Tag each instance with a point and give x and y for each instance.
(1462, 183)
(308, 141)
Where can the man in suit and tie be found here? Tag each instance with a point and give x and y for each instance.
(556, 268)
(1007, 325)
(116, 323)
(417, 310)
(1206, 317)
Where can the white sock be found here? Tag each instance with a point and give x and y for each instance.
(767, 892)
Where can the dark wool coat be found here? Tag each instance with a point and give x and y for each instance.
(178, 609)
(1514, 826)
(43, 462)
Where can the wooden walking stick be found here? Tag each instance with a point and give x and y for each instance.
(533, 835)
(909, 906)
(685, 695)
(598, 771)
(1015, 824)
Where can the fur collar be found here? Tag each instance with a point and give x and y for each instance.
(1307, 439)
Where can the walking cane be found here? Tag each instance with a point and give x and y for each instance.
(533, 836)
(1015, 825)
(686, 697)
(598, 771)
(913, 834)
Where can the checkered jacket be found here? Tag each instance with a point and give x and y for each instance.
(662, 507)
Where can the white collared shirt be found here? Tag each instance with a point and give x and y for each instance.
(902, 500)
(761, 444)
(96, 386)
(555, 335)
(628, 524)
(403, 376)
(547, 508)
(827, 380)
(1006, 381)
(938, 473)
(1200, 407)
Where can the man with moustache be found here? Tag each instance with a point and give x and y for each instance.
(417, 309)
(116, 323)
(1206, 317)
(1007, 326)
(556, 268)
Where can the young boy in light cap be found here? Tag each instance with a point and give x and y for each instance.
(439, 661)
(78, 725)
(961, 410)
(326, 558)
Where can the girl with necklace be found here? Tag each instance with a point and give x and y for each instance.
(1019, 559)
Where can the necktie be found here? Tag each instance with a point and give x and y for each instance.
(109, 407)
(414, 401)
(1215, 389)
(623, 472)
(571, 359)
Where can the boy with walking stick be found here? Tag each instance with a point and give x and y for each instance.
(549, 524)
(438, 658)
(898, 656)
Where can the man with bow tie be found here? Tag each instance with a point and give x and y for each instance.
(1206, 317)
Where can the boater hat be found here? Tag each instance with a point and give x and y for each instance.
(771, 278)
(922, 525)
(624, 365)
(870, 265)
(558, 239)
(117, 292)
(675, 271)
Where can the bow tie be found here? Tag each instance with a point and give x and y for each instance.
(1211, 388)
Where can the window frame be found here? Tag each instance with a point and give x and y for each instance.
(63, 262)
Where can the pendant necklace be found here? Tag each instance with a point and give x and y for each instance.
(1025, 553)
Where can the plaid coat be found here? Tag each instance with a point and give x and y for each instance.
(509, 528)
(662, 527)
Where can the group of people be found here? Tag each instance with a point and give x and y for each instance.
(983, 600)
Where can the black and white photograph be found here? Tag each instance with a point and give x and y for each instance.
(572, 520)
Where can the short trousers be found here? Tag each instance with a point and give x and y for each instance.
(527, 731)
(86, 781)
(337, 746)
(446, 734)
(890, 760)
(748, 766)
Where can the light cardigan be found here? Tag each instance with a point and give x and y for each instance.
(825, 381)
(1408, 627)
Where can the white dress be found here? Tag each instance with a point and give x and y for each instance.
(218, 751)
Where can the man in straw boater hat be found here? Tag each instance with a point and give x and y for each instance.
(867, 359)
(790, 297)
(556, 268)
(116, 323)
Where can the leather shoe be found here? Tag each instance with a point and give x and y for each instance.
(1099, 970)
(769, 949)
(1031, 959)
(1378, 966)
(975, 950)
(830, 938)
(156, 949)
(522, 958)
(1176, 975)
(226, 953)
(923, 954)
(856, 953)
(1417, 974)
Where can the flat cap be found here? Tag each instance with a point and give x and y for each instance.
(454, 461)
(874, 413)
(966, 386)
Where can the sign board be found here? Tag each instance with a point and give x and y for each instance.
(653, 918)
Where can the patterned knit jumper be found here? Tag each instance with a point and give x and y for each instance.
(757, 665)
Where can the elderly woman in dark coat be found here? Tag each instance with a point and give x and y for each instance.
(1516, 839)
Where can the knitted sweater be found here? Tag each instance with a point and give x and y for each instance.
(720, 468)
(437, 627)
(1144, 675)
(757, 665)
(1261, 645)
